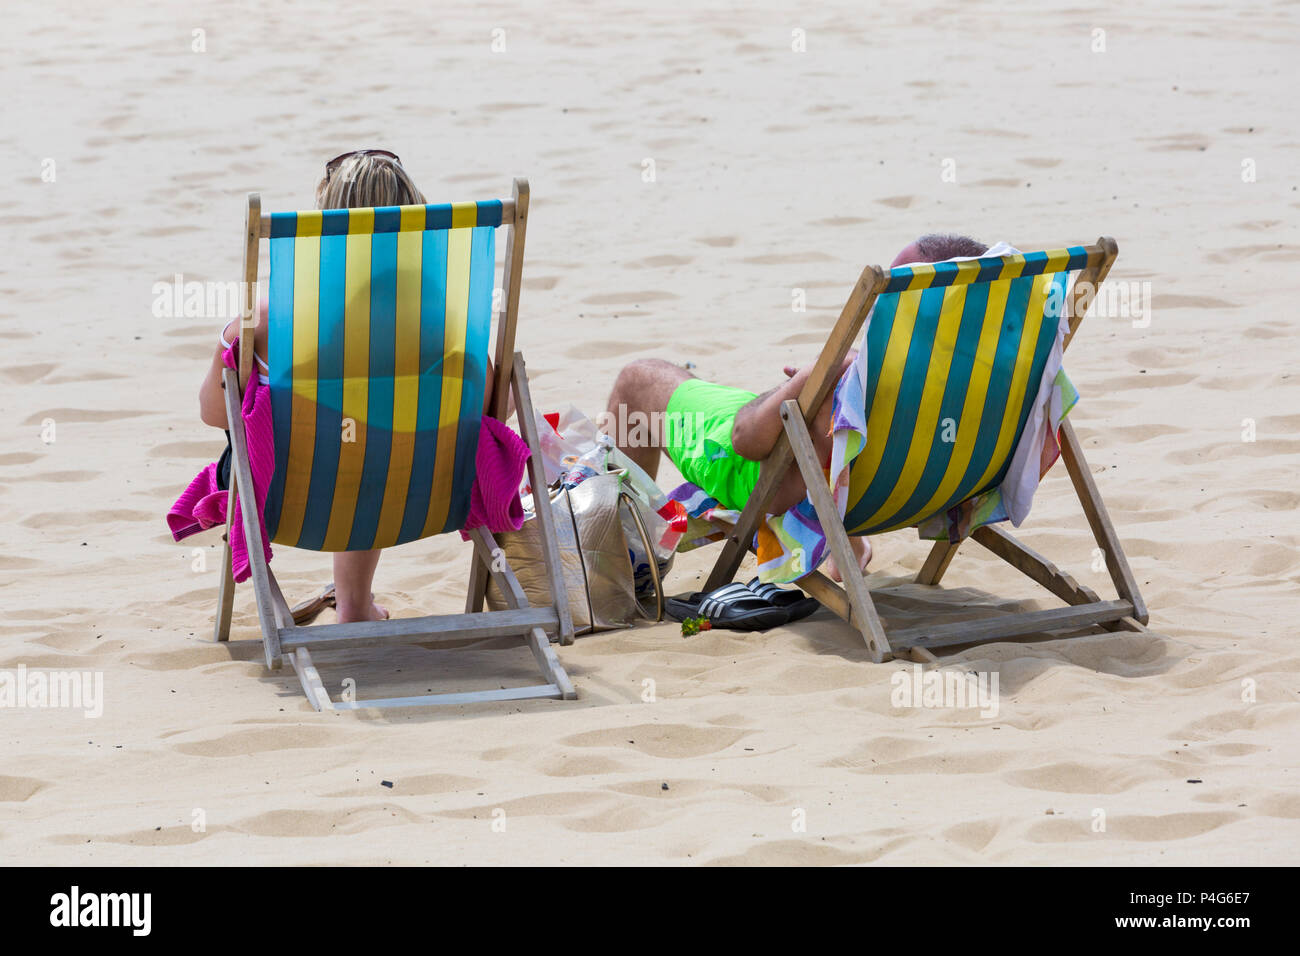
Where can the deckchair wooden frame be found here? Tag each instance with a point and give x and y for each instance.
(852, 602)
(283, 639)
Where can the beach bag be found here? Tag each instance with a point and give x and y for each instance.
(591, 518)
(573, 450)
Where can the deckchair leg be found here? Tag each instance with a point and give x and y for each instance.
(537, 478)
(478, 581)
(225, 594)
(936, 564)
(740, 538)
(485, 549)
(863, 616)
(1036, 567)
(242, 479)
(309, 677)
(1099, 520)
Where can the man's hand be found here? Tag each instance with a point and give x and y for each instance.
(795, 371)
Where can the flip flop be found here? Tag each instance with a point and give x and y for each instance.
(799, 604)
(732, 606)
(309, 610)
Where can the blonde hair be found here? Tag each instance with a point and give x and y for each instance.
(367, 179)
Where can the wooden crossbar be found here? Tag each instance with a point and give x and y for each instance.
(421, 630)
(1010, 625)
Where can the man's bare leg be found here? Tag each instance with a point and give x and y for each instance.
(635, 414)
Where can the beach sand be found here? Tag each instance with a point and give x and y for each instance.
(774, 170)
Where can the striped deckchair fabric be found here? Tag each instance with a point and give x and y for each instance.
(956, 353)
(378, 329)
(955, 356)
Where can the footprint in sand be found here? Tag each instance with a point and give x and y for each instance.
(661, 740)
(66, 476)
(243, 743)
(18, 789)
(544, 804)
(658, 262)
(804, 853)
(89, 519)
(1272, 252)
(1178, 142)
(11, 563)
(84, 415)
(973, 835)
(1144, 829)
(580, 765)
(611, 348)
(26, 374)
(319, 823)
(1168, 301)
(420, 786)
(192, 351)
(186, 449)
(1073, 777)
(790, 258)
(841, 221)
(628, 298)
(178, 835)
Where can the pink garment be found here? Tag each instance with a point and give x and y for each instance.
(494, 499)
(203, 505)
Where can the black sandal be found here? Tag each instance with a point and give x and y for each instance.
(732, 606)
(799, 604)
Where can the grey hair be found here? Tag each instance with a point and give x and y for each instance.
(936, 246)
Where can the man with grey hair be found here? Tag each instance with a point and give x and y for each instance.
(717, 435)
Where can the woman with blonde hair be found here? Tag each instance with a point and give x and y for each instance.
(353, 180)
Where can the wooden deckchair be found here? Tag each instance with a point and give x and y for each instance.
(1001, 308)
(378, 328)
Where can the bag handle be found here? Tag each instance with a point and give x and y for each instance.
(625, 498)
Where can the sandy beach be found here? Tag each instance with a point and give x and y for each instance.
(789, 148)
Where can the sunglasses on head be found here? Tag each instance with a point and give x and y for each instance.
(334, 163)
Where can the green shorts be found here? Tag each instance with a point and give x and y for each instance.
(698, 429)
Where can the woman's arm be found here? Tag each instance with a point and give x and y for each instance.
(212, 397)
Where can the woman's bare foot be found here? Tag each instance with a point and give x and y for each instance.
(861, 550)
(354, 573)
(373, 612)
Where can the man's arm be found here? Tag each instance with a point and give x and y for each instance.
(758, 425)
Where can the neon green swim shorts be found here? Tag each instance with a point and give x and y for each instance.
(698, 424)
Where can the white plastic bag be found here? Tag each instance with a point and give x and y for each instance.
(573, 449)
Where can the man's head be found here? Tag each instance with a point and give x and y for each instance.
(936, 247)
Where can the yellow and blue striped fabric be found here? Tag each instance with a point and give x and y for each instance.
(378, 335)
(955, 355)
